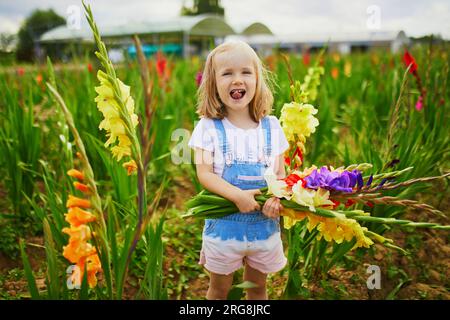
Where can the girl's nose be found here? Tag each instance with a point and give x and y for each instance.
(237, 81)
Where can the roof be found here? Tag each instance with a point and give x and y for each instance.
(203, 25)
(256, 28)
(320, 39)
(208, 25)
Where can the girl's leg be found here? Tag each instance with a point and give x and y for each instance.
(219, 286)
(258, 278)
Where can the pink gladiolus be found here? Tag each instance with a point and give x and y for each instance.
(419, 104)
(198, 78)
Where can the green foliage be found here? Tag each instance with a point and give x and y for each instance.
(202, 7)
(33, 27)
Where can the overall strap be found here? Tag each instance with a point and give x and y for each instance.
(267, 137)
(223, 142)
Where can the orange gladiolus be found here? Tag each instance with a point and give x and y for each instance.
(82, 187)
(130, 166)
(77, 202)
(81, 233)
(77, 217)
(92, 265)
(335, 72)
(39, 78)
(76, 174)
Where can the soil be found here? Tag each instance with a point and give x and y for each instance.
(424, 274)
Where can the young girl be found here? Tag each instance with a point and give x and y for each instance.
(235, 142)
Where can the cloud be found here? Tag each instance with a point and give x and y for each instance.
(415, 17)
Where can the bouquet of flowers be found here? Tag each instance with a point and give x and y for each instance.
(325, 196)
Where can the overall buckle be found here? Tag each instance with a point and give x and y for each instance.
(228, 159)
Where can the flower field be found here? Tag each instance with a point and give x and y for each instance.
(97, 176)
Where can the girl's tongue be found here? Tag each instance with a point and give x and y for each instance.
(237, 93)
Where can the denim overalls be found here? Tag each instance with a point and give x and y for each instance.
(248, 227)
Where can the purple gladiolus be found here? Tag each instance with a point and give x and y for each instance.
(333, 180)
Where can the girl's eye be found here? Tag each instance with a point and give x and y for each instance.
(226, 73)
(247, 72)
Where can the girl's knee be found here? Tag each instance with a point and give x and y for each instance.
(217, 293)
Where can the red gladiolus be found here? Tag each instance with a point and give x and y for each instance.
(349, 203)
(336, 203)
(287, 161)
(370, 204)
(292, 179)
(408, 59)
(306, 59)
(298, 152)
(161, 63)
(20, 71)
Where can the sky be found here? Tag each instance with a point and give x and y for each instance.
(283, 17)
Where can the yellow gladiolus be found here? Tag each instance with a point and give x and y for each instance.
(298, 119)
(114, 125)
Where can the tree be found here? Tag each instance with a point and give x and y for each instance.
(39, 22)
(203, 6)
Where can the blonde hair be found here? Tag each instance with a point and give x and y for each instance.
(209, 103)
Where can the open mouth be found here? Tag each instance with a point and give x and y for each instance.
(237, 94)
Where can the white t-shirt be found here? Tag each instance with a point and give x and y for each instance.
(245, 145)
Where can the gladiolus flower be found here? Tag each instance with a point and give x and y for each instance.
(75, 251)
(419, 104)
(293, 179)
(20, 71)
(278, 188)
(336, 203)
(408, 59)
(303, 196)
(80, 233)
(348, 68)
(198, 78)
(298, 119)
(339, 229)
(76, 174)
(93, 266)
(161, 63)
(334, 73)
(306, 59)
(336, 57)
(77, 202)
(130, 166)
(82, 187)
(349, 203)
(322, 198)
(113, 124)
(39, 78)
(77, 216)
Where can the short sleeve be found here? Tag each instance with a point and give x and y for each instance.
(279, 141)
(202, 136)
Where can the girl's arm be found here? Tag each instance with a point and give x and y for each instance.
(244, 199)
(279, 169)
(273, 205)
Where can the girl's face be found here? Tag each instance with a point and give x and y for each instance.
(235, 78)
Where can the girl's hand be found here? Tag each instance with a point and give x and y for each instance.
(272, 208)
(245, 200)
